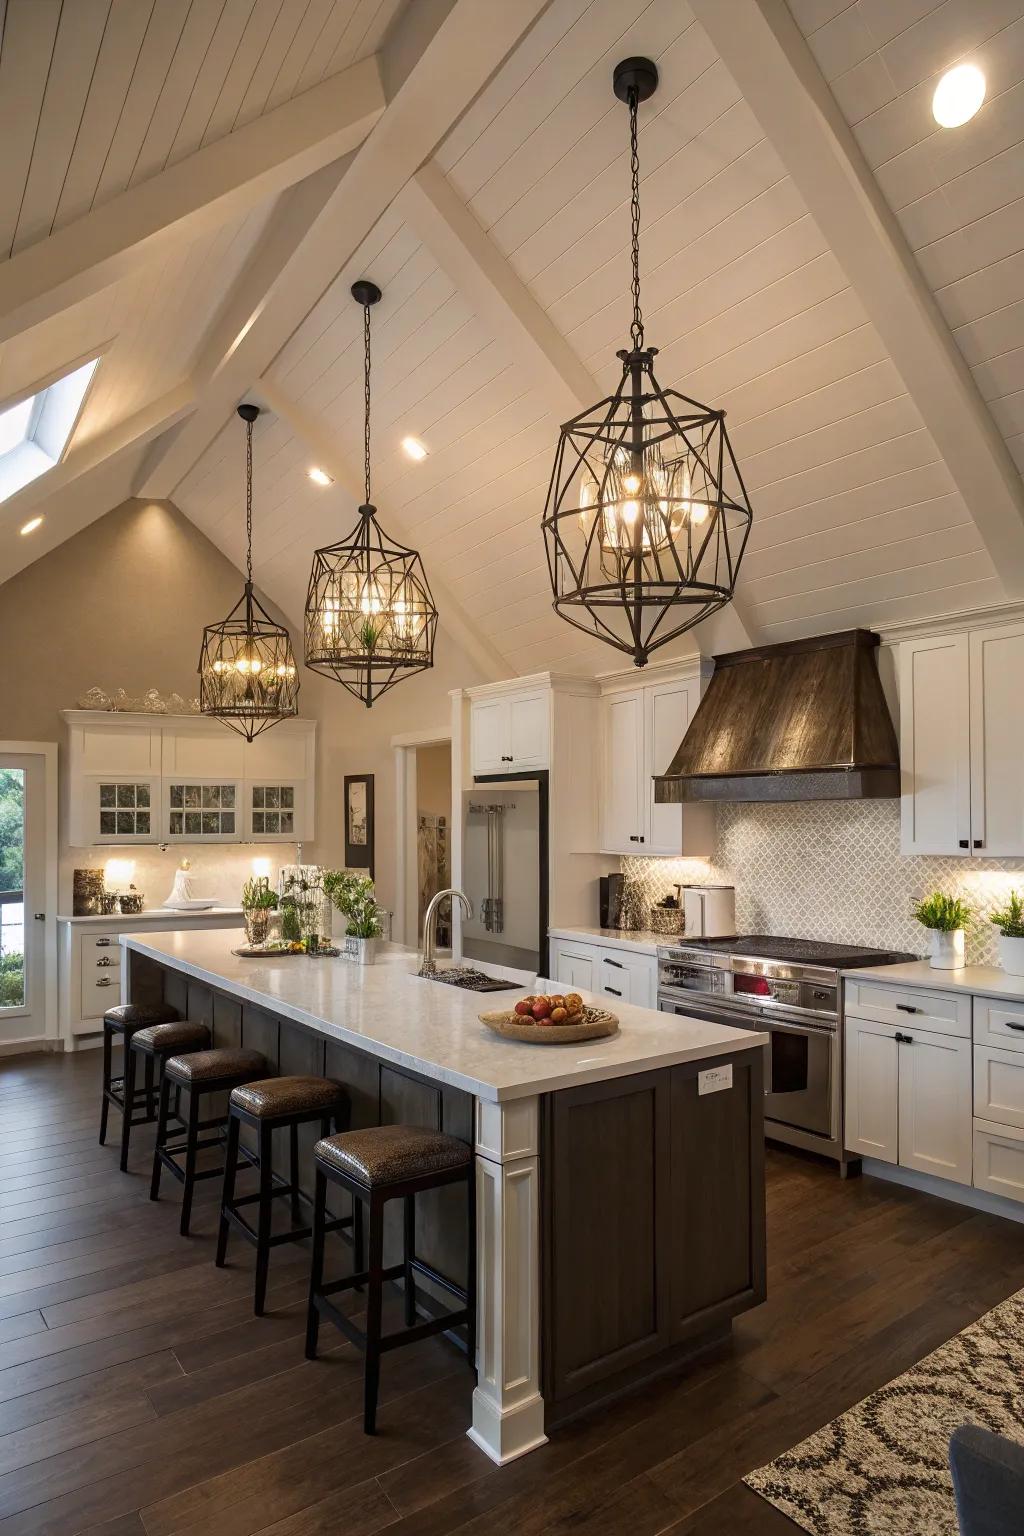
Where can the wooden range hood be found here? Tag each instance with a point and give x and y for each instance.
(806, 720)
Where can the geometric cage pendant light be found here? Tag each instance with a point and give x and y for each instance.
(370, 616)
(247, 673)
(647, 516)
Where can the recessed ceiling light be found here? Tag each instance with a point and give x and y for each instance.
(414, 448)
(958, 95)
(320, 476)
(32, 524)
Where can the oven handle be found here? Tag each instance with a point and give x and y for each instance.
(770, 1016)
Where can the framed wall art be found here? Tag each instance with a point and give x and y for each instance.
(359, 822)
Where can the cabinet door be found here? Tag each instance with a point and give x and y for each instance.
(935, 1109)
(573, 968)
(623, 807)
(997, 742)
(528, 730)
(872, 1089)
(627, 978)
(672, 829)
(935, 760)
(489, 735)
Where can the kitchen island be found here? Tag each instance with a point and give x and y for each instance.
(619, 1183)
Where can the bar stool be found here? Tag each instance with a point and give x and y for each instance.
(125, 1021)
(154, 1045)
(201, 1073)
(273, 1104)
(388, 1162)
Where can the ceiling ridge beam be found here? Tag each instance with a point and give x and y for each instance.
(217, 182)
(471, 41)
(768, 57)
(326, 454)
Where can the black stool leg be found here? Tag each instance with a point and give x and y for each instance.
(161, 1137)
(191, 1140)
(410, 1251)
(266, 1209)
(374, 1308)
(228, 1195)
(150, 1094)
(107, 1044)
(129, 1101)
(316, 1273)
(293, 1152)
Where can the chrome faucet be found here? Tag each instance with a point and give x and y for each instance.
(429, 965)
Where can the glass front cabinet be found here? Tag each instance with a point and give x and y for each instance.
(182, 779)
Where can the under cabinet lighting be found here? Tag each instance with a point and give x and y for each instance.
(118, 874)
(320, 476)
(413, 448)
(958, 96)
(32, 524)
(261, 869)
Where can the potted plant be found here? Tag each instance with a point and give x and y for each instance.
(946, 918)
(1010, 922)
(258, 902)
(354, 898)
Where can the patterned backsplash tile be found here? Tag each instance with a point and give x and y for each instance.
(833, 870)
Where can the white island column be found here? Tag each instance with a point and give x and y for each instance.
(508, 1409)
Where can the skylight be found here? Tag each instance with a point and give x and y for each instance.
(34, 432)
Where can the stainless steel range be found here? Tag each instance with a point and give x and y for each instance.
(790, 988)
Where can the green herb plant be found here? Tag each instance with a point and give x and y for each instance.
(945, 913)
(257, 895)
(353, 896)
(1010, 919)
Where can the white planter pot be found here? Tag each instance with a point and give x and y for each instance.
(1011, 955)
(362, 951)
(948, 952)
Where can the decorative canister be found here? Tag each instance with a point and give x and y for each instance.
(665, 920)
(132, 902)
(948, 949)
(634, 910)
(1011, 954)
(362, 951)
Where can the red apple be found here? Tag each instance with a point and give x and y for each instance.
(523, 1007)
(541, 1008)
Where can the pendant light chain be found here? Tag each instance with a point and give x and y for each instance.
(248, 501)
(366, 400)
(637, 328)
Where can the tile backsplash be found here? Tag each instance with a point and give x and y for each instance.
(833, 870)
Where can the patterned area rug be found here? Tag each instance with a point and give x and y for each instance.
(881, 1469)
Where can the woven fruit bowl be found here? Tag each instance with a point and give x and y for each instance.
(587, 1024)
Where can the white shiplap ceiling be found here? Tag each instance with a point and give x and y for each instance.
(858, 517)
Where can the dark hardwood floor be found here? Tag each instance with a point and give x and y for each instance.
(140, 1397)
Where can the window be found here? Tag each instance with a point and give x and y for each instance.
(125, 810)
(202, 810)
(273, 809)
(34, 432)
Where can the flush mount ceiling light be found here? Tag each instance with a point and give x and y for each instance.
(31, 526)
(958, 96)
(647, 516)
(413, 448)
(247, 673)
(320, 476)
(370, 617)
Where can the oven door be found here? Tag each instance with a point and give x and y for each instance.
(799, 1071)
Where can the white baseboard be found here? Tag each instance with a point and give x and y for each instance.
(960, 1194)
(28, 1047)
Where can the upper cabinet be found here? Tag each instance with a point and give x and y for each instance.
(962, 743)
(641, 731)
(183, 779)
(510, 731)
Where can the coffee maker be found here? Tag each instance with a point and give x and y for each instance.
(610, 900)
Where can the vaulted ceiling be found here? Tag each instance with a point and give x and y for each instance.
(189, 189)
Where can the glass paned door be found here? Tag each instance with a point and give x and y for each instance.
(22, 890)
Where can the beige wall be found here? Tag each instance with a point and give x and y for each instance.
(434, 780)
(122, 605)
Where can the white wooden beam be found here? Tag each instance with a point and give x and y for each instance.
(217, 182)
(767, 56)
(324, 451)
(449, 70)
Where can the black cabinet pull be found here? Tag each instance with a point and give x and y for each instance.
(1013, 1026)
(964, 843)
(614, 991)
(617, 964)
(907, 1008)
(641, 839)
(904, 1039)
(633, 839)
(978, 843)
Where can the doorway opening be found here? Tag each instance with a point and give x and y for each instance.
(423, 809)
(28, 894)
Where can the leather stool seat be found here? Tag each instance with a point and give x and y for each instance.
(157, 1038)
(133, 1016)
(137, 1106)
(274, 1096)
(386, 1154)
(212, 1066)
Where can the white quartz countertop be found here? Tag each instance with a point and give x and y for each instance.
(432, 1028)
(988, 980)
(617, 938)
(152, 915)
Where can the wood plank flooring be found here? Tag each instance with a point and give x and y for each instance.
(140, 1397)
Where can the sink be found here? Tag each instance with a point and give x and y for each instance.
(471, 981)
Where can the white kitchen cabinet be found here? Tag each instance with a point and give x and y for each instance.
(573, 966)
(962, 743)
(627, 978)
(908, 1097)
(999, 1085)
(510, 731)
(642, 729)
(999, 1159)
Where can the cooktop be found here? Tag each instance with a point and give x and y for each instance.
(807, 951)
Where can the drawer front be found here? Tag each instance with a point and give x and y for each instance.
(999, 1160)
(99, 993)
(998, 1023)
(615, 978)
(945, 1013)
(999, 1085)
